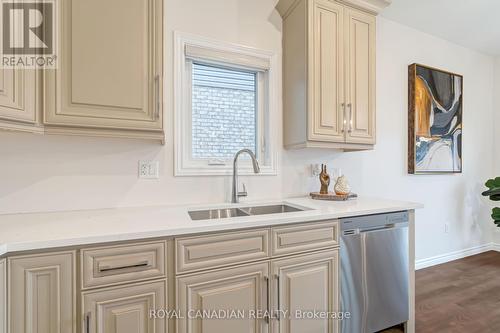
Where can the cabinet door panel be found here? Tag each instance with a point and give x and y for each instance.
(125, 309)
(327, 72)
(243, 288)
(42, 293)
(3, 297)
(109, 65)
(306, 283)
(18, 95)
(360, 78)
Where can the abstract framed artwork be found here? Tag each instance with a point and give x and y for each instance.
(435, 110)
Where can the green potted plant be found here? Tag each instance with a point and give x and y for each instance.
(493, 192)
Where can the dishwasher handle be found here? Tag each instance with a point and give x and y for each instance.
(388, 226)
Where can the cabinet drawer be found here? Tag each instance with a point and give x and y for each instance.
(304, 237)
(124, 263)
(194, 253)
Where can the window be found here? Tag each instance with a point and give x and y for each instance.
(224, 112)
(223, 103)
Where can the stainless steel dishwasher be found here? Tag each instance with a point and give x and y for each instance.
(374, 272)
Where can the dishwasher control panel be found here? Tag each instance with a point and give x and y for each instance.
(373, 221)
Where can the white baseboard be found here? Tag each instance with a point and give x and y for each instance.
(443, 258)
(495, 247)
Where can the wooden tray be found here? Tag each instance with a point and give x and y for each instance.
(332, 196)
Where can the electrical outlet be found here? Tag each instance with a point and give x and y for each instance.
(446, 228)
(149, 169)
(315, 170)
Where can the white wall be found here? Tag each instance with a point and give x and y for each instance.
(496, 123)
(496, 133)
(40, 173)
(54, 173)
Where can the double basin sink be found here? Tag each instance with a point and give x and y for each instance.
(210, 214)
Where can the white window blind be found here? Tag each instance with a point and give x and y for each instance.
(195, 52)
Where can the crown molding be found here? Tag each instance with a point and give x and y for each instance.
(372, 6)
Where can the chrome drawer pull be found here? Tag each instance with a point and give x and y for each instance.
(103, 269)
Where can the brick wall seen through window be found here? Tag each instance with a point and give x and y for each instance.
(223, 111)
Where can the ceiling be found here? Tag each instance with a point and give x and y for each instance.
(471, 23)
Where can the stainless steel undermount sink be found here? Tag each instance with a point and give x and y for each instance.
(210, 214)
(274, 209)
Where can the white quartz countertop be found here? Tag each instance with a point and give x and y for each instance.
(34, 231)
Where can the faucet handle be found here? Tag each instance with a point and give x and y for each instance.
(243, 193)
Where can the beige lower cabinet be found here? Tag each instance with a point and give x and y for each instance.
(307, 237)
(113, 265)
(124, 309)
(243, 288)
(3, 296)
(304, 284)
(225, 282)
(221, 249)
(42, 296)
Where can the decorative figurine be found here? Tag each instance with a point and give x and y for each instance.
(324, 178)
(342, 186)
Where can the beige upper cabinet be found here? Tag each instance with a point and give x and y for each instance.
(360, 81)
(19, 99)
(306, 283)
(109, 79)
(242, 288)
(329, 73)
(42, 293)
(125, 309)
(326, 59)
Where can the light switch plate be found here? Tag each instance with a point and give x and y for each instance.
(149, 169)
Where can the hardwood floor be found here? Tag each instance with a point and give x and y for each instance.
(462, 296)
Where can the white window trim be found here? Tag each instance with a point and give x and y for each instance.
(184, 165)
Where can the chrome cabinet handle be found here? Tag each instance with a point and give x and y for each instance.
(268, 299)
(345, 119)
(87, 322)
(350, 117)
(158, 103)
(279, 296)
(103, 269)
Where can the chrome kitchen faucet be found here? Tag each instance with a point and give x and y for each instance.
(235, 193)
